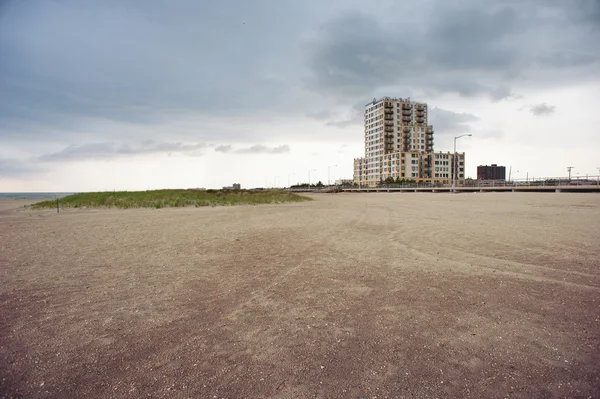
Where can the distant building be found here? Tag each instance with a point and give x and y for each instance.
(399, 145)
(234, 186)
(492, 172)
(340, 182)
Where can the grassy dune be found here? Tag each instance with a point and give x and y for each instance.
(171, 198)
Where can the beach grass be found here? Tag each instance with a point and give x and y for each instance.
(171, 198)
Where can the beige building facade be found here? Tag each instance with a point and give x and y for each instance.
(399, 145)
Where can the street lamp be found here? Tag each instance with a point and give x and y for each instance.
(454, 160)
(569, 169)
(328, 174)
(310, 170)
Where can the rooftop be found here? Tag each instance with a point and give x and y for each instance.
(375, 101)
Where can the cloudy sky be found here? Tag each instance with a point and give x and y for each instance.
(117, 94)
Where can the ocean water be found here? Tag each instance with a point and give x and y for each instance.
(34, 195)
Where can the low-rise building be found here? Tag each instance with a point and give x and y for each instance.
(492, 172)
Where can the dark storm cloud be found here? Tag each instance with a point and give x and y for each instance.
(262, 149)
(445, 121)
(542, 109)
(112, 150)
(470, 48)
(139, 63)
(67, 65)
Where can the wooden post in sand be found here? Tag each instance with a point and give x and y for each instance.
(57, 209)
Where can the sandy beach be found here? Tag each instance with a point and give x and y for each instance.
(11, 205)
(492, 295)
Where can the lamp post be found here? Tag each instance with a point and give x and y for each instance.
(329, 174)
(569, 169)
(310, 170)
(454, 160)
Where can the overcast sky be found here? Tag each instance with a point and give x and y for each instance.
(116, 94)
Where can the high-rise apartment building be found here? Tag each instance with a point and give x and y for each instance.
(399, 144)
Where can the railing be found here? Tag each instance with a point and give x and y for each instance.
(536, 181)
(532, 182)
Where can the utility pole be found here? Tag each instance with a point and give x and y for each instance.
(569, 169)
(310, 170)
(329, 174)
(454, 160)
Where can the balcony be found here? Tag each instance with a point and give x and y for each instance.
(420, 108)
(389, 122)
(406, 106)
(406, 113)
(389, 117)
(420, 120)
(388, 111)
(405, 119)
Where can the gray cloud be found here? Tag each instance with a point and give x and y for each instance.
(223, 148)
(502, 93)
(542, 109)
(345, 122)
(320, 116)
(68, 67)
(16, 168)
(112, 150)
(261, 149)
(445, 121)
(112, 61)
(471, 48)
(355, 118)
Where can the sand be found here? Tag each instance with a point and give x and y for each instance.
(492, 295)
(10, 205)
